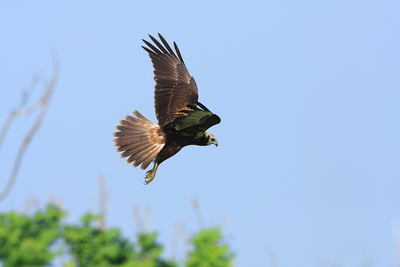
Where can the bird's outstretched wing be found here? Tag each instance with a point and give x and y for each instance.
(175, 88)
(196, 120)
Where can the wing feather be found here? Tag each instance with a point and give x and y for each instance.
(175, 88)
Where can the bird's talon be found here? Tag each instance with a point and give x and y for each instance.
(177, 109)
(150, 174)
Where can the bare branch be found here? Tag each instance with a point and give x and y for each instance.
(31, 204)
(19, 111)
(272, 258)
(179, 230)
(197, 210)
(41, 105)
(186, 238)
(103, 201)
(142, 226)
(136, 217)
(147, 218)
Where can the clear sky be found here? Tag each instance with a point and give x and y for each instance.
(308, 162)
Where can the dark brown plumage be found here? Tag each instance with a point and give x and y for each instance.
(175, 88)
(180, 121)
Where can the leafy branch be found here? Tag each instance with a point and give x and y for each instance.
(41, 238)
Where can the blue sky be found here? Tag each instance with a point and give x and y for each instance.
(308, 159)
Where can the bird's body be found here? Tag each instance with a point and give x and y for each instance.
(175, 141)
(180, 121)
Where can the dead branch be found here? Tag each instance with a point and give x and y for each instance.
(20, 111)
(272, 258)
(142, 226)
(197, 210)
(103, 201)
(136, 217)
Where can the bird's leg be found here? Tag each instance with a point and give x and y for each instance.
(150, 174)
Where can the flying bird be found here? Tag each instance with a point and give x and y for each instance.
(182, 120)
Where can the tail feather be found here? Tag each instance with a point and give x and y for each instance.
(142, 156)
(127, 147)
(137, 145)
(147, 161)
(139, 139)
(135, 153)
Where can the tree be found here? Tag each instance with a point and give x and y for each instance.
(209, 250)
(27, 241)
(38, 239)
(149, 254)
(90, 246)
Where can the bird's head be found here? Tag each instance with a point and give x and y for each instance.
(211, 140)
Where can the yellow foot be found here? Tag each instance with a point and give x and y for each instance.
(150, 174)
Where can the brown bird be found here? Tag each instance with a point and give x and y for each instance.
(182, 120)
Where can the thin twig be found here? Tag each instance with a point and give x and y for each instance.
(136, 217)
(272, 258)
(197, 210)
(186, 238)
(147, 218)
(103, 201)
(174, 242)
(19, 111)
(42, 104)
(142, 226)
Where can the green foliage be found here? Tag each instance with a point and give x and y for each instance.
(209, 250)
(36, 240)
(150, 252)
(91, 246)
(27, 241)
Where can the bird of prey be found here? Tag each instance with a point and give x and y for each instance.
(182, 120)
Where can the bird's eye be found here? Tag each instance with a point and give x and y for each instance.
(213, 139)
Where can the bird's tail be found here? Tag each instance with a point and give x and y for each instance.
(139, 139)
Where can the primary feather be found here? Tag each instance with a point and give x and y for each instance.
(180, 121)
